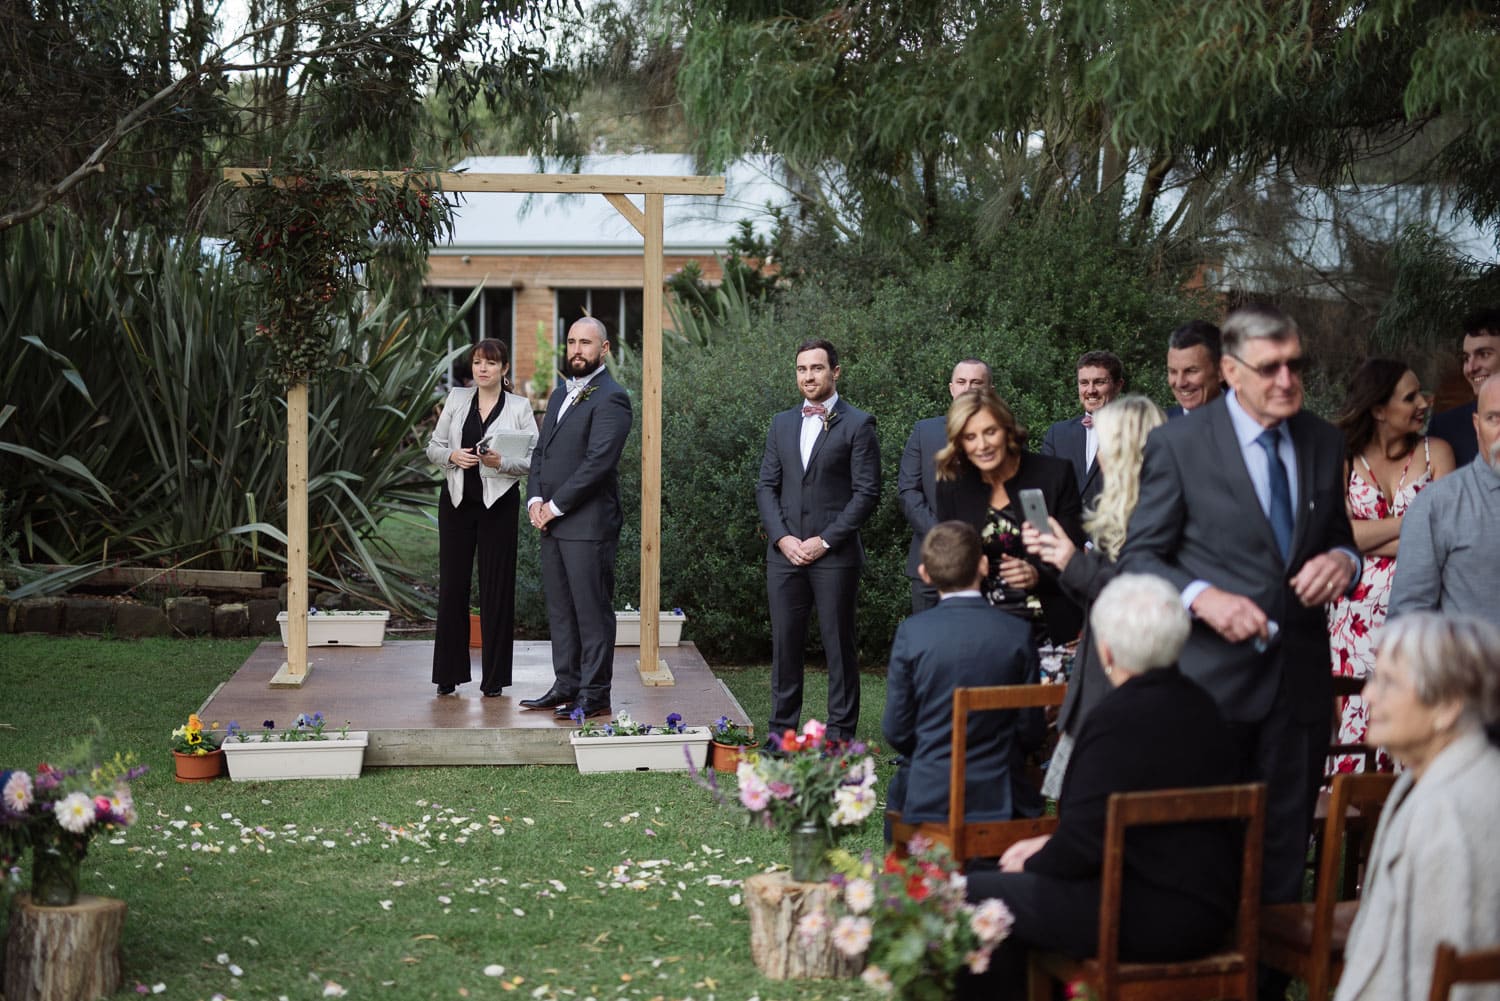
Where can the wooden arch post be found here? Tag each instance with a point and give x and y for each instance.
(649, 222)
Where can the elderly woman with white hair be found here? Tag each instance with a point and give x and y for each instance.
(1154, 730)
(1435, 683)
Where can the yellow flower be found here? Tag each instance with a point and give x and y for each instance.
(194, 737)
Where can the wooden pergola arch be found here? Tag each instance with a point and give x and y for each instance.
(648, 221)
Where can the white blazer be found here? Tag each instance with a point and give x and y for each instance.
(515, 414)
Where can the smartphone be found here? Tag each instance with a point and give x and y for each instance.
(481, 449)
(1034, 507)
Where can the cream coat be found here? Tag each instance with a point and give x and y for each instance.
(1433, 876)
(446, 436)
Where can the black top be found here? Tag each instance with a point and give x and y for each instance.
(474, 430)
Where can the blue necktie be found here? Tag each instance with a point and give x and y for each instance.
(1280, 507)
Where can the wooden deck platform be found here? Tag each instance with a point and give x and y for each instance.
(386, 691)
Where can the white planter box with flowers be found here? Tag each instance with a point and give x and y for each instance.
(628, 627)
(623, 745)
(341, 628)
(300, 752)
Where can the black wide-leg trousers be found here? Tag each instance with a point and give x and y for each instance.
(491, 532)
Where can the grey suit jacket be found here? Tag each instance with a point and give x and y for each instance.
(833, 496)
(1069, 440)
(1198, 519)
(916, 484)
(576, 461)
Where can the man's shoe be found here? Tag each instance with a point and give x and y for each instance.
(555, 697)
(590, 709)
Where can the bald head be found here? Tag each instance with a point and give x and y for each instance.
(1487, 421)
(587, 342)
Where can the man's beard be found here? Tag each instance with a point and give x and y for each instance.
(576, 369)
(1494, 455)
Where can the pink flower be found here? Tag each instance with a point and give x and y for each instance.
(991, 921)
(814, 731)
(851, 935)
(978, 961)
(781, 790)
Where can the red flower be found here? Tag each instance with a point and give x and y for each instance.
(1358, 626)
(892, 863)
(1361, 592)
(916, 888)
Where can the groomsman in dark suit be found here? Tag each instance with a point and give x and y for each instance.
(1193, 355)
(1101, 377)
(575, 503)
(1242, 509)
(916, 483)
(1481, 359)
(819, 482)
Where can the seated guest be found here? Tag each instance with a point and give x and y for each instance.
(1434, 871)
(1193, 355)
(962, 642)
(1155, 730)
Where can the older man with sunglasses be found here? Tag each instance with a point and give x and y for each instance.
(1242, 509)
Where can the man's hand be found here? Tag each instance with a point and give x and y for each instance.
(1323, 578)
(540, 514)
(1233, 616)
(812, 549)
(791, 547)
(1014, 859)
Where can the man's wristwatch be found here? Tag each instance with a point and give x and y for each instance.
(825, 542)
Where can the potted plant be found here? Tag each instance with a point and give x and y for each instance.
(301, 751)
(628, 627)
(330, 628)
(909, 921)
(728, 742)
(196, 754)
(476, 635)
(623, 745)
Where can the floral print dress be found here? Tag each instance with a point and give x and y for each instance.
(1354, 621)
(1002, 537)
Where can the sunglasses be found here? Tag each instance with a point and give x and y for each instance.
(1271, 369)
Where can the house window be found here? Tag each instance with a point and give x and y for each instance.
(492, 315)
(619, 309)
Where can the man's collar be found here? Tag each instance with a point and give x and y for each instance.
(970, 593)
(1246, 428)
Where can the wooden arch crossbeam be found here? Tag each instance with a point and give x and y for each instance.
(646, 220)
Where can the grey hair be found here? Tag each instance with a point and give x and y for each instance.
(1449, 658)
(1255, 323)
(1142, 621)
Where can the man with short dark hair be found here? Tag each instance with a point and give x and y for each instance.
(1101, 378)
(819, 482)
(916, 484)
(1481, 359)
(1193, 355)
(962, 642)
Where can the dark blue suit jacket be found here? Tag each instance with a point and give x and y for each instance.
(1069, 440)
(1456, 427)
(916, 484)
(963, 642)
(576, 460)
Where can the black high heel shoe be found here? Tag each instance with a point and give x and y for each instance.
(447, 689)
(495, 694)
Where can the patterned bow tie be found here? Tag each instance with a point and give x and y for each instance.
(1088, 420)
(813, 410)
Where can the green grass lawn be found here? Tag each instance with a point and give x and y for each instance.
(408, 883)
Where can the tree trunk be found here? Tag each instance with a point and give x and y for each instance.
(776, 906)
(64, 953)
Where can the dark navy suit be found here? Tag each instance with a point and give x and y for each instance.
(916, 485)
(1456, 427)
(1069, 440)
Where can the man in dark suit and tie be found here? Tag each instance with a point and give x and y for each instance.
(1242, 509)
(819, 482)
(575, 503)
(1101, 377)
(962, 642)
(916, 483)
(1193, 355)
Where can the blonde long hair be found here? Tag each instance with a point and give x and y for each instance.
(1122, 427)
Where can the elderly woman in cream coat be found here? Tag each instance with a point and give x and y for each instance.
(478, 510)
(1434, 870)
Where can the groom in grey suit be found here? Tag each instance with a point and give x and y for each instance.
(575, 504)
(819, 481)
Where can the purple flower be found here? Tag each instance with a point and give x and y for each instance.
(674, 722)
(269, 724)
(576, 715)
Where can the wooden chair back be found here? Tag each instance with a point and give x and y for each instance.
(1228, 974)
(1452, 967)
(987, 838)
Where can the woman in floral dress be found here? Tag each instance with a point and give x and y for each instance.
(1388, 461)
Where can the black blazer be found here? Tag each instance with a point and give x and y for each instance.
(968, 499)
(833, 496)
(916, 484)
(962, 642)
(1069, 440)
(576, 461)
(1456, 427)
(1198, 519)
(1082, 579)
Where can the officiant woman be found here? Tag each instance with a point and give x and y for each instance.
(477, 511)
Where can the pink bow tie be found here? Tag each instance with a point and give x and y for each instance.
(813, 410)
(1088, 420)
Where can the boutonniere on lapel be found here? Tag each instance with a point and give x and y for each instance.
(586, 392)
(829, 418)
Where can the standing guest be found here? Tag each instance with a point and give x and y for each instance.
(1481, 359)
(1082, 573)
(575, 504)
(1450, 538)
(1241, 508)
(917, 482)
(1101, 377)
(980, 475)
(1155, 729)
(1193, 355)
(819, 482)
(960, 643)
(1387, 462)
(1434, 869)
(477, 510)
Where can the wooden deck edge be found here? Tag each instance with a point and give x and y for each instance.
(399, 748)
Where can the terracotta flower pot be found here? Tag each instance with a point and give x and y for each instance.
(199, 767)
(725, 757)
(476, 638)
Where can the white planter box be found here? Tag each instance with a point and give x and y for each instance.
(341, 628)
(262, 761)
(628, 628)
(649, 753)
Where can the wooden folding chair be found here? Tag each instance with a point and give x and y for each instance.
(1452, 967)
(1307, 940)
(1228, 974)
(986, 838)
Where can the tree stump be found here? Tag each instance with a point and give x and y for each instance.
(64, 953)
(777, 904)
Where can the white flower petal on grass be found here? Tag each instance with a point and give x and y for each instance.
(386, 905)
(333, 990)
(494, 970)
(222, 959)
(158, 988)
(235, 971)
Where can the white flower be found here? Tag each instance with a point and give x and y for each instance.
(623, 721)
(991, 921)
(859, 895)
(978, 961)
(75, 813)
(18, 791)
(877, 978)
(852, 804)
(812, 925)
(851, 935)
